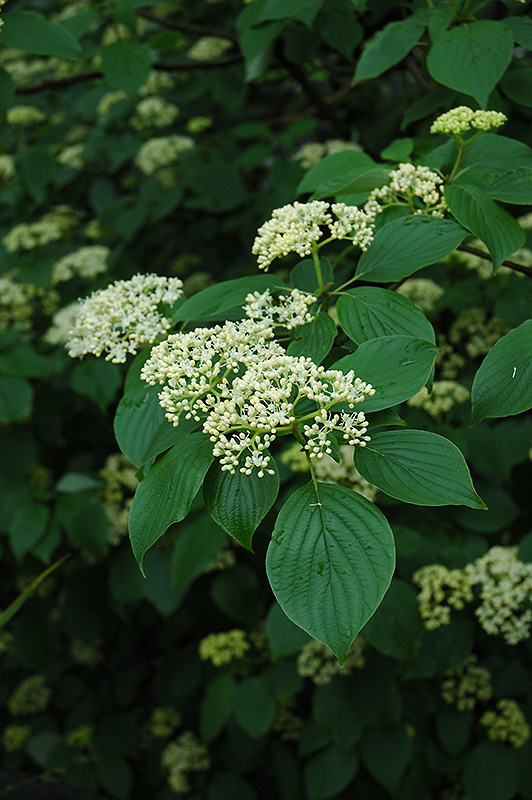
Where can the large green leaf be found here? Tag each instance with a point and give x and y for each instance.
(363, 180)
(16, 396)
(32, 33)
(516, 85)
(330, 562)
(217, 706)
(313, 340)
(521, 28)
(212, 303)
(197, 545)
(476, 211)
(405, 245)
(491, 772)
(386, 754)
(472, 57)
(496, 154)
(254, 707)
(396, 628)
(503, 384)
(329, 771)
(302, 10)
(370, 312)
(396, 366)
(239, 502)
(388, 47)
(125, 65)
(166, 494)
(334, 167)
(418, 467)
(514, 186)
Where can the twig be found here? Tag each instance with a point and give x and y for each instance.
(186, 27)
(481, 254)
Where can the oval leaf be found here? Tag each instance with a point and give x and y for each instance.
(418, 467)
(396, 366)
(239, 502)
(33, 33)
(329, 565)
(370, 312)
(491, 772)
(476, 211)
(514, 186)
(334, 167)
(212, 303)
(313, 340)
(166, 494)
(125, 65)
(387, 47)
(472, 58)
(405, 245)
(503, 384)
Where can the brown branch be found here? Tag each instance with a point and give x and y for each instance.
(474, 251)
(186, 27)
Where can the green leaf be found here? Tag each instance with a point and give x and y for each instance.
(255, 707)
(517, 84)
(27, 527)
(514, 186)
(328, 772)
(503, 383)
(7, 90)
(125, 65)
(491, 772)
(334, 709)
(476, 211)
(16, 396)
(454, 728)
(370, 312)
(340, 29)
(521, 28)
(396, 366)
(396, 629)
(387, 47)
(97, 379)
(398, 150)
(304, 277)
(418, 467)
(334, 167)
(302, 10)
(405, 245)
(214, 302)
(197, 545)
(239, 502)
(256, 45)
(217, 707)
(313, 340)
(329, 565)
(386, 754)
(83, 517)
(166, 494)
(285, 638)
(496, 154)
(33, 33)
(472, 58)
(362, 181)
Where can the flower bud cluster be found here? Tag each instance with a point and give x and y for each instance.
(295, 228)
(49, 228)
(422, 292)
(507, 724)
(123, 317)
(154, 112)
(467, 685)
(442, 397)
(479, 333)
(72, 156)
(317, 662)
(207, 48)
(84, 653)
(81, 737)
(62, 324)
(109, 100)
(30, 696)
(249, 389)
(163, 722)
(286, 723)
(289, 311)
(24, 115)
(223, 648)
(161, 152)
(411, 186)
(14, 737)
(16, 307)
(442, 589)
(185, 754)
(7, 167)
(86, 262)
(311, 153)
(461, 119)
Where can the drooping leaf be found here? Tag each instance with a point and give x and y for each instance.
(254, 707)
(514, 186)
(330, 562)
(396, 366)
(27, 527)
(405, 245)
(503, 383)
(334, 167)
(521, 28)
(387, 47)
(32, 33)
(167, 492)
(496, 154)
(363, 181)
(476, 211)
(329, 771)
(125, 65)
(313, 340)
(472, 57)
(212, 303)
(370, 312)
(239, 502)
(418, 467)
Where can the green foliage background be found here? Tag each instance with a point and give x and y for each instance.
(113, 647)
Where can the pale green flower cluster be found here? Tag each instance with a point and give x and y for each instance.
(418, 188)
(86, 262)
(223, 648)
(479, 333)
(2, 2)
(7, 167)
(154, 112)
(288, 311)
(120, 483)
(448, 361)
(312, 153)
(317, 662)
(6, 641)
(207, 48)
(442, 589)
(422, 292)
(14, 737)
(297, 227)
(507, 724)
(163, 721)
(157, 83)
(84, 653)
(328, 470)
(198, 124)
(286, 723)
(24, 115)
(109, 100)
(81, 737)
(185, 754)
(443, 396)
(31, 696)
(161, 151)
(72, 156)
(124, 317)
(51, 227)
(461, 119)
(467, 685)
(224, 560)
(16, 307)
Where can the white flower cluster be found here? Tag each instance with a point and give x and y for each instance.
(185, 754)
(123, 317)
(157, 83)
(207, 48)
(7, 167)
(249, 389)
(461, 119)
(290, 310)
(24, 115)
(295, 228)
(109, 100)
(507, 724)
(467, 685)
(49, 228)
(442, 397)
(72, 156)
(16, 306)
(504, 586)
(422, 292)
(2, 2)
(408, 186)
(312, 153)
(62, 324)
(161, 152)
(479, 333)
(86, 262)
(154, 112)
